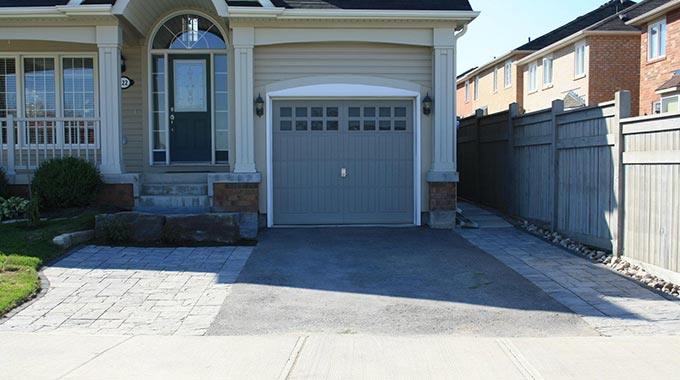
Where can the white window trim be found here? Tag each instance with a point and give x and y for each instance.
(655, 105)
(676, 96)
(467, 91)
(507, 74)
(549, 84)
(661, 43)
(476, 90)
(577, 46)
(495, 79)
(58, 89)
(533, 76)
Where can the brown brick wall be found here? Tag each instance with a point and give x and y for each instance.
(654, 73)
(237, 197)
(614, 66)
(117, 195)
(19, 191)
(443, 196)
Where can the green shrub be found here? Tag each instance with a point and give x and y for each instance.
(13, 208)
(117, 231)
(4, 183)
(33, 212)
(66, 182)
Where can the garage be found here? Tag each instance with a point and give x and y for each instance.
(343, 162)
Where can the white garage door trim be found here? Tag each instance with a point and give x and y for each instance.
(352, 92)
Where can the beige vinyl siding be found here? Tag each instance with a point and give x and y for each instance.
(289, 61)
(133, 112)
(45, 47)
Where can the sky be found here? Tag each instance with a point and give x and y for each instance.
(506, 24)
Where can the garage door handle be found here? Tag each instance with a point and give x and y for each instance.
(343, 173)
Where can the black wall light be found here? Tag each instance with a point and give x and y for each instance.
(427, 105)
(259, 106)
(123, 67)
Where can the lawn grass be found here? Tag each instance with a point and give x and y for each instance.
(23, 250)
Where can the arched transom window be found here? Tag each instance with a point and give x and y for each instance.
(188, 32)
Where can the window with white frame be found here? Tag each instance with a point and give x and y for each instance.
(56, 94)
(507, 74)
(533, 73)
(477, 87)
(580, 59)
(467, 90)
(656, 36)
(547, 71)
(669, 104)
(495, 79)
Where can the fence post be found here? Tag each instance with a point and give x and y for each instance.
(622, 110)
(557, 108)
(511, 202)
(478, 157)
(11, 146)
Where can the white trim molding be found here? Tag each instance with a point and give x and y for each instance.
(346, 91)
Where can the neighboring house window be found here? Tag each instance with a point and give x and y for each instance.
(656, 40)
(580, 59)
(547, 71)
(670, 104)
(656, 107)
(533, 73)
(507, 74)
(467, 90)
(495, 79)
(477, 88)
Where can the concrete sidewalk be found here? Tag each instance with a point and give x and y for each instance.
(50, 356)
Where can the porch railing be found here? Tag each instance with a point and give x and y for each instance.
(26, 142)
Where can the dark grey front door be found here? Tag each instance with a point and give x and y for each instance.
(343, 162)
(190, 108)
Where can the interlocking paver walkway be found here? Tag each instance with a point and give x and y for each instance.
(612, 304)
(132, 291)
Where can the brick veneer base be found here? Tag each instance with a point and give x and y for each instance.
(237, 197)
(117, 195)
(443, 196)
(19, 191)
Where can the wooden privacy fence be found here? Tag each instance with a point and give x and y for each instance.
(594, 174)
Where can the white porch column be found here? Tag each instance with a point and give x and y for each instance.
(444, 133)
(109, 40)
(243, 42)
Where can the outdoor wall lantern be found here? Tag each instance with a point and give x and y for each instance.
(259, 106)
(427, 104)
(123, 67)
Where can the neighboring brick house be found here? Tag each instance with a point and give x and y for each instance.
(463, 108)
(589, 66)
(490, 89)
(659, 57)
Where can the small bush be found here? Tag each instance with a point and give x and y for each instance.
(4, 183)
(13, 208)
(66, 182)
(33, 212)
(117, 231)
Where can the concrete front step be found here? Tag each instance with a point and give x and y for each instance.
(180, 189)
(174, 201)
(175, 178)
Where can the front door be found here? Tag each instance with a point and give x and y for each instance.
(190, 111)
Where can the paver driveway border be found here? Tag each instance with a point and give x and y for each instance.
(129, 291)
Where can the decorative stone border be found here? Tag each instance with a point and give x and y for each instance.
(74, 238)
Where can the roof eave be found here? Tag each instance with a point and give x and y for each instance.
(350, 14)
(57, 11)
(654, 13)
(570, 40)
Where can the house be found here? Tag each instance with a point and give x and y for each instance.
(542, 70)
(302, 111)
(463, 108)
(659, 57)
(589, 66)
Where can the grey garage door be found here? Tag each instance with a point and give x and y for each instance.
(343, 162)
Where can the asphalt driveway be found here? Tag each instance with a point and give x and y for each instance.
(385, 281)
